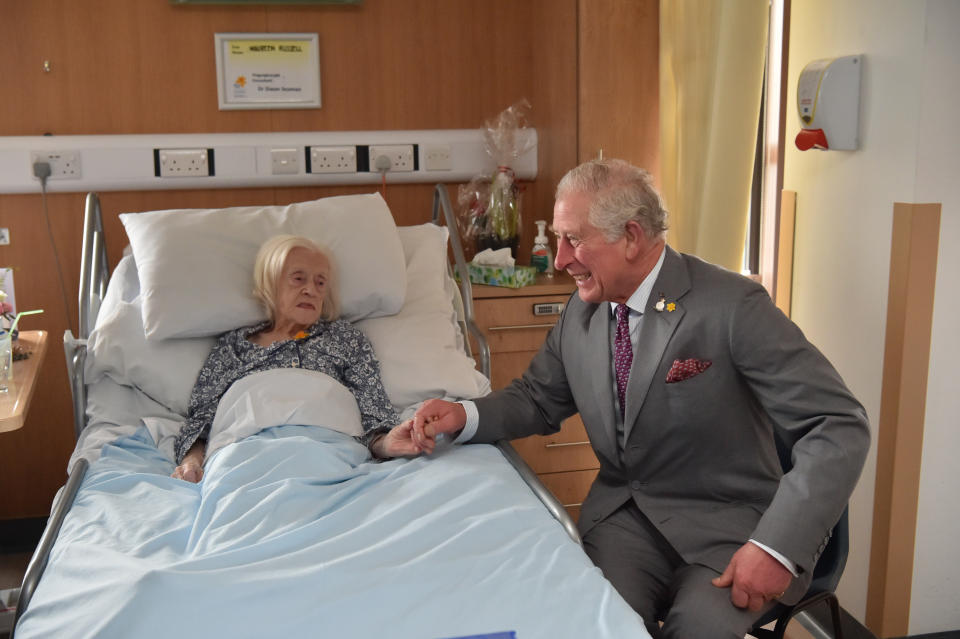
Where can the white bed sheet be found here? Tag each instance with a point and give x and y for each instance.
(295, 532)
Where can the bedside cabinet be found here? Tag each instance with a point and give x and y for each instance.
(515, 323)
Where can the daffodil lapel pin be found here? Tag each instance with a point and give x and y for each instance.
(662, 304)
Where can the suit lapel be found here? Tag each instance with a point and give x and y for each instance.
(597, 360)
(657, 329)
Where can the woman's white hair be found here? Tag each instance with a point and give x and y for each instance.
(619, 192)
(268, 269)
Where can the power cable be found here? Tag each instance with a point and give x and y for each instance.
(42, 171)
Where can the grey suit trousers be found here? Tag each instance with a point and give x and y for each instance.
(652, 577)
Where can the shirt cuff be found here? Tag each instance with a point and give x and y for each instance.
(789, 565)
(473, 420)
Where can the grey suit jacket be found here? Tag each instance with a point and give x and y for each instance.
(700, 456)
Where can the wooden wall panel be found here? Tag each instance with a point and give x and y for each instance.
(619, 81)
(906, 361)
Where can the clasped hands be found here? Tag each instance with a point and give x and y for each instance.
(417, 435)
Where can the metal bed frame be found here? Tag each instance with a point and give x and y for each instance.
(94, 276)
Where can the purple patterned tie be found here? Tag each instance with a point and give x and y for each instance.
(622, 354)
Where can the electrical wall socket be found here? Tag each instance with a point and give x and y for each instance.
(400, 156)
(435, 157)
(285, 161)
(64, 165)
(333, 159)
(4, 236)
(184, 162)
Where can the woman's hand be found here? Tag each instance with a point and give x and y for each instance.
(397, 443)
(191, 469)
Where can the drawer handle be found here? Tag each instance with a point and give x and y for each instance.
(562, 444)
(513, 328)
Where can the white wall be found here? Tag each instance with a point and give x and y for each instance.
(935, 599)
(909, 153)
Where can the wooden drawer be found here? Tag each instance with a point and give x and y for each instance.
(510, 324)
(565, 451)
(570, 488)
(505, 367)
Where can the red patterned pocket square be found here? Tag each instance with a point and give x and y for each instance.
(686, 368)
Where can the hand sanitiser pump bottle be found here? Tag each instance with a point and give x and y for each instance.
(541, 257)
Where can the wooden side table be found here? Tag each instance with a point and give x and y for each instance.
(15, 403)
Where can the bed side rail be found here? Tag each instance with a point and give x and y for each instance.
(441, 203)
(552, 503)
(42, 554)
(94, 275)
(75, 351)
(94, 271)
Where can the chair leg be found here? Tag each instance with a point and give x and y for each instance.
(828, 598)
(834, 604)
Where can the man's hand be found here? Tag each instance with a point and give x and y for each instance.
(436, 416)
(754, 578)
(397, 443)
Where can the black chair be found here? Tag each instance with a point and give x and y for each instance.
(826, 575)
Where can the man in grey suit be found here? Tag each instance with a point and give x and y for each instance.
(686, 376)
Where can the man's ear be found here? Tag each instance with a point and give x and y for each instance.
(636, 239)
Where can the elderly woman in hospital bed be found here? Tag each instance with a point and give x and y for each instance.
(295, 280)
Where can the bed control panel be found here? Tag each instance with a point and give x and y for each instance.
(552, 308)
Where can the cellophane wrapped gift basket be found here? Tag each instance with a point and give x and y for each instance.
(490, 205)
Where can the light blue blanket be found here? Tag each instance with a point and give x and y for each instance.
(295, 533)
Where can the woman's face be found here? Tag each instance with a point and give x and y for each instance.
(302, 288)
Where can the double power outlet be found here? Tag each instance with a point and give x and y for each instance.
(183, 162)
(333, 159)
(64, 165)
(391, 157)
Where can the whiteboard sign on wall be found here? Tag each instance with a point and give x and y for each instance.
(268, 70)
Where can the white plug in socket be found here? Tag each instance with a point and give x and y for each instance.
(285, 161)
(435, 157)
(400, 156)
(333, 159)
(64, 165)
(184, 163)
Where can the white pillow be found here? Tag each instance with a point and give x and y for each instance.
(419, 347)
(196, 265)
(165, 370)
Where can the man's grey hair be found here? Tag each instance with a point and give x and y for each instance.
(620, 192)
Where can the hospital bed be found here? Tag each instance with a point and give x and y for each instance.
(294, 531)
